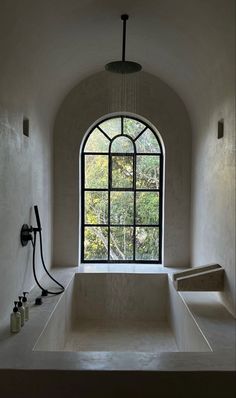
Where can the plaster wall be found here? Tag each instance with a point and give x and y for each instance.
(93, 98)
(213, 172)
(25, 180)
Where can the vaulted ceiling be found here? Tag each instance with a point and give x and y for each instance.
(48, 46)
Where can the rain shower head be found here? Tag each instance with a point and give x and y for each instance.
(123, 66)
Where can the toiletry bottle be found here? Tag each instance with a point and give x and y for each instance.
(21, 310)
(15, 319)
(26, 306)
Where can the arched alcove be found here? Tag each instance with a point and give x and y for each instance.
(88, 102)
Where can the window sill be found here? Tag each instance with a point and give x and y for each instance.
(122, 268)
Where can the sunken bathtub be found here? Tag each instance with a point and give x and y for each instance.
(122, 312)
(121, 335)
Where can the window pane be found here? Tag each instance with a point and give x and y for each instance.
(148, 172)
(122, 144)
(133, 127)
(121, 239)
(95, 243)
(96, 171)
(122, 171)
(147, 208)
(97, 142)
(147, 142)
(122, 208)
(96, 207)
(112, 127)
(147, 243)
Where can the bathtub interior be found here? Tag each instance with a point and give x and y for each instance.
(121, 312)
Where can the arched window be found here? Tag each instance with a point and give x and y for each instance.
(121, 207)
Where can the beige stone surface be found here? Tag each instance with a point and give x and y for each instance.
(196, 319)
(208, 278)
(92, 335)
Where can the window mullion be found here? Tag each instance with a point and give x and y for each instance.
(109, 201)
(134, 186)
(82, 206)
(160, 206)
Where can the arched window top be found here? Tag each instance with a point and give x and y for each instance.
(117, 135)
(122, 178)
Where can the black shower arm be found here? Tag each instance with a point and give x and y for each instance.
(124, 18)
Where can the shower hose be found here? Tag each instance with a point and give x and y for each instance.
(45, 292)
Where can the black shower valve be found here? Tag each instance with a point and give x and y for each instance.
(26, 234)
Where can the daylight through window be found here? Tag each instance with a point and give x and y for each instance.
(122, 169)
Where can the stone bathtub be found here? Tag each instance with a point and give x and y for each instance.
(116, 312)
(121, 334)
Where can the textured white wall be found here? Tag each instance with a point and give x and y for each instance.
(213, 167)
(213, 184)
(25, 180)
(94, 98)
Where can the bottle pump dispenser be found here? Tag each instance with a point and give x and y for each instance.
(26, 306)
(15, 319)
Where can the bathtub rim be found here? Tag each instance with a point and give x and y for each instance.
(20, 347)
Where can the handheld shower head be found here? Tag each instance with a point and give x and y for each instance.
(37, 218)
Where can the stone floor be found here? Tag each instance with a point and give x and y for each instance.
(121, 336)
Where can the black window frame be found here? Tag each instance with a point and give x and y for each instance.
(110, 189)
